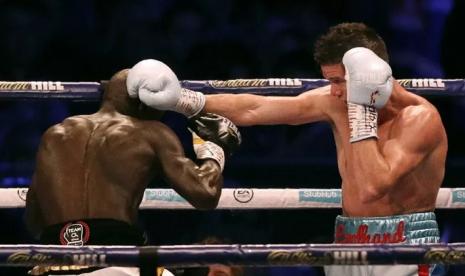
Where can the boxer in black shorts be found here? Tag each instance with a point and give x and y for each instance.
(92, 170)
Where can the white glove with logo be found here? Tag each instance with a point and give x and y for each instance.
(156, 85)
(369, 86)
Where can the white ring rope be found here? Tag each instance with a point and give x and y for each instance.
(448, 198)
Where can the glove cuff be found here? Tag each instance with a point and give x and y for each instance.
(208, 150)
(190, 102)
(363, 122)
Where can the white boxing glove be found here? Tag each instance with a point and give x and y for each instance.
(369, 78)
(156, 85)
(369, 86)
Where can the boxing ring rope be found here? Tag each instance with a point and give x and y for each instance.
(91, 91)
(241, 198)
(246, 255)
(237, 254)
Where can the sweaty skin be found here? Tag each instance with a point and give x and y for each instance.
(399, 173)
(98, 166)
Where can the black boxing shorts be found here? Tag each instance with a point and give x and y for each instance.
(93, 232)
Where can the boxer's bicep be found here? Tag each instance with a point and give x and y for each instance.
(412, 141)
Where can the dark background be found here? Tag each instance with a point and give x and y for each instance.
(84, 40)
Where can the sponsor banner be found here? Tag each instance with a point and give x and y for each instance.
(458, 195)
(434, 87)
(48, 86)
(22, 193)
(243, 195)
(167, 195)
(257, 83)
(320, 196)
(423, 83)
(85, 91)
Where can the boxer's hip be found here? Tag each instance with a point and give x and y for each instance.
(93, 232)
(415, 228)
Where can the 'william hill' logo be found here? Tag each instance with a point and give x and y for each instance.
(278, 82)
(422, 83)
(31, 85)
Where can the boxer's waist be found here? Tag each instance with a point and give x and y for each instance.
(409, 228)
(92, 232)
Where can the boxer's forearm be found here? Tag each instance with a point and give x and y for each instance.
(238, 108)
(370, 169)
(248, 109)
